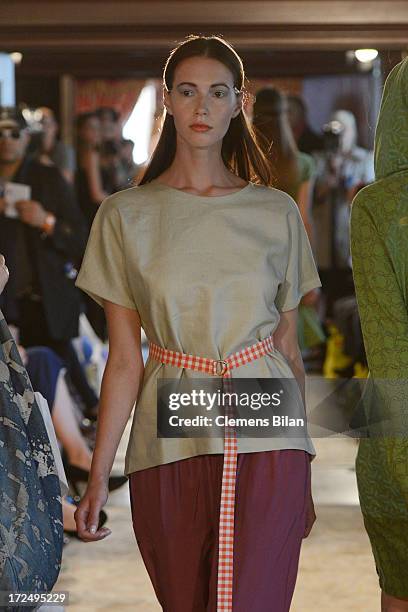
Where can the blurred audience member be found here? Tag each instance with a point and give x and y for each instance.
(95, 180)
(111, 166)
(307, 140)
(54, 151)
(342, 169)
(43, 238)
(294, 173)
(129, 168)
(89, 179)
(110, 125)
(47, 372)
(114, 161)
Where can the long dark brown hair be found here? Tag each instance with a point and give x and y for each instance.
(241, 153)
(273, 130)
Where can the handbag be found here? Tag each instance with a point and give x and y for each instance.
(31, 522)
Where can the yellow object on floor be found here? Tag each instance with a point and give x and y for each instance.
(360, 370)
(336, 359)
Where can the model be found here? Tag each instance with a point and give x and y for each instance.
(212, 263)
(379, 248)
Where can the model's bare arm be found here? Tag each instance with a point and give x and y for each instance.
(120, 385)
(285, 339)
(120, 388)
(304, 201)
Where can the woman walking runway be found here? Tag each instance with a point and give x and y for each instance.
(212, 263)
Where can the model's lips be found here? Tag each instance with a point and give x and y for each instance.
(200, 127)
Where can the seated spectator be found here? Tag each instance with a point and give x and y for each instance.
(47, 374)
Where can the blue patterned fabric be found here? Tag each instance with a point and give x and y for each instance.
(31, 527)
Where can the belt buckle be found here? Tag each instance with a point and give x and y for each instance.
(220, 366)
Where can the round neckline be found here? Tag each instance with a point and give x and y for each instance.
(202, 197)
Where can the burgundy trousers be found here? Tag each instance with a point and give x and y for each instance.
(175, 511)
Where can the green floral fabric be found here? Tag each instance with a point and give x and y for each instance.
(379, 248)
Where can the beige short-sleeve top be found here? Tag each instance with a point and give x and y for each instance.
(208, 276)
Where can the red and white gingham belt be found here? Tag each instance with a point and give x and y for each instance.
(220, 367)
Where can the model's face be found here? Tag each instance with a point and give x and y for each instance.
(13, 143)
(202, 95)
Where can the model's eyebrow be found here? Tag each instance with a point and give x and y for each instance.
(195, 85)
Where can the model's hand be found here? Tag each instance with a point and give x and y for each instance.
(87, 514)
(31, 212)
(4, 273)
(310, 515)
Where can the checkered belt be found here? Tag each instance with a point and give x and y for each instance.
(220, 367)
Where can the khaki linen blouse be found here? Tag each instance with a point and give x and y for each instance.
(208, 276)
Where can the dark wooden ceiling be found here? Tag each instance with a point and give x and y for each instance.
(149, 63)
(124, 38)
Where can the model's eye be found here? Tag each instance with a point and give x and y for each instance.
(220, 93)
(187, 92)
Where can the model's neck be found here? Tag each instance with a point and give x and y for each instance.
(199, 169)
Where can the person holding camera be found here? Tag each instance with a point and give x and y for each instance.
(43, 237)
(342, 169)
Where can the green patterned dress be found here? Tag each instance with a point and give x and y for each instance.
(379, 248)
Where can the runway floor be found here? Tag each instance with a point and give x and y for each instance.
(336, 569)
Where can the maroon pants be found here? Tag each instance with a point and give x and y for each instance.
(175, 512)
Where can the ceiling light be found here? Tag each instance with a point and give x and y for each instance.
(16, 56)
(366, 55)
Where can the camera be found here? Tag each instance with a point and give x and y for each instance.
(332, 136)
